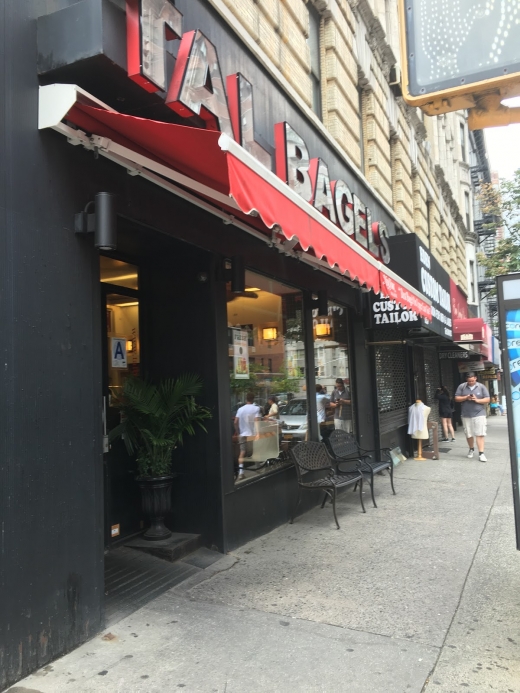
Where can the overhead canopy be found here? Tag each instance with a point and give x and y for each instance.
(214, 166)
(473, 331)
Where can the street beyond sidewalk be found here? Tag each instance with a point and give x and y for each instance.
(420, 594)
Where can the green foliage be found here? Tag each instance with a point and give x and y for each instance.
(284, 383)
(505, 203)
(155, 419)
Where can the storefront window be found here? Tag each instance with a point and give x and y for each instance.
(267, 371)
(333, 374)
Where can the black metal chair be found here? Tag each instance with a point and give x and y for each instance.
(314, 457)
(344, 448)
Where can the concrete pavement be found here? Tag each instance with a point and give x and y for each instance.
(421, 594)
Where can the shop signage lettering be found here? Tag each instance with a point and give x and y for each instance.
(471, 366)
(390, 312)
(197, 87)
(453, 355)
(412, 261)
(468, 337)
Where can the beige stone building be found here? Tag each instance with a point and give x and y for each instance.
(339, 60)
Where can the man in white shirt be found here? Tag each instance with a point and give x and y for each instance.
(247, 428)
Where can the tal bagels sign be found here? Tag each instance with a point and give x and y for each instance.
(198, 88)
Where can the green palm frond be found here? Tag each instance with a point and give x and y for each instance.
(155, 419)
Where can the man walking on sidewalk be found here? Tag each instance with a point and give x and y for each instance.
(473, 396)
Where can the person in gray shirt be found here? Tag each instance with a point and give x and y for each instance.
(473, 397)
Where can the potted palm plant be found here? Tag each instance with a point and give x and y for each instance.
(154, 420)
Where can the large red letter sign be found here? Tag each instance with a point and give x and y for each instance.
(197, 87)
(240, 96)
(149, 24)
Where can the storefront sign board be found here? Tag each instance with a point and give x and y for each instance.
(202, 85)
(443, 355)
(459, 303)
(468, 366)
(413, 262)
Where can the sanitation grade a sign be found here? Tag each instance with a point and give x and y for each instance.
(118, 352)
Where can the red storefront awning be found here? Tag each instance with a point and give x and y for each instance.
(473, 331)
(216, 167)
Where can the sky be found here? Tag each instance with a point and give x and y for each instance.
(503, 145)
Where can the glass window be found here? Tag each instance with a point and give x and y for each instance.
(124, 348)
(333, 374)
(314, 47)
(463, 141)
(267, 372)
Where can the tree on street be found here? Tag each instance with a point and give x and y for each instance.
(501, 205)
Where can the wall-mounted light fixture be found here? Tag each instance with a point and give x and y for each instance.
(129, 345)
(102, 222)
(320, 303)
(269, 334)
(323, 329)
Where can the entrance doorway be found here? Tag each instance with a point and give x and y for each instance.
(121, 359)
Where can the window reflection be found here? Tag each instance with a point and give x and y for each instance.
(333, 375)
(267, 374)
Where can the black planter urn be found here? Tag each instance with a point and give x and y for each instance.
(156, 498)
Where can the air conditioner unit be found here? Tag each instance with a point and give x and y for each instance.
(394, 80)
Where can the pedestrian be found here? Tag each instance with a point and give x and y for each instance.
(341, 402)
(496, 405)
(272, 408)
(473, 396)
(247, 428)
(445, 412)
(322, 402)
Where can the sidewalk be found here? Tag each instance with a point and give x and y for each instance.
(421, 594)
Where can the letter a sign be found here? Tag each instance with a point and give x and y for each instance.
(119, 353)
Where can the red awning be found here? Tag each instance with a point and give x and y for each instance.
(473, 331)
(223, 171)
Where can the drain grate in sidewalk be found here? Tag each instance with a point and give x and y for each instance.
(133, 578)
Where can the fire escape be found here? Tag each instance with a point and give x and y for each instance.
(485, 227)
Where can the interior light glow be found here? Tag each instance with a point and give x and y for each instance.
(121, 277)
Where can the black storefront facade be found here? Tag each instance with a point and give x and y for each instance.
(166, 297)
(407, 349)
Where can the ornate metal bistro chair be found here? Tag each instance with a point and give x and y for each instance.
(345, 449)
(317, 471)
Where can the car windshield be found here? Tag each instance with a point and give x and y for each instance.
(298, 407)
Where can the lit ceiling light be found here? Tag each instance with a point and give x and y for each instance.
(269, 334)
(322, 329)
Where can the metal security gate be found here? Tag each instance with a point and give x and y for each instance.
(447, 378)
(391, 383)
(432, 380)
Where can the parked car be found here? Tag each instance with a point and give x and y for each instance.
(293, 417)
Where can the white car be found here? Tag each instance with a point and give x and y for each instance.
(293, 418)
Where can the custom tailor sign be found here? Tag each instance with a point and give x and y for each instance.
(414, 263)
